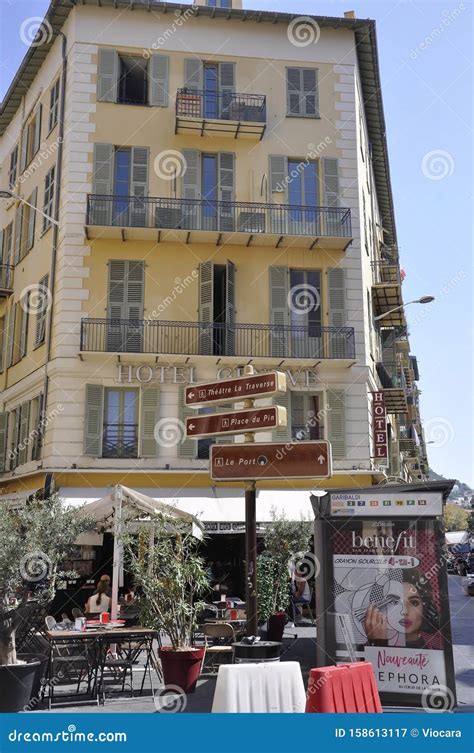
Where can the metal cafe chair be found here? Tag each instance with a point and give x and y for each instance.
(71, 662)
(222, 636)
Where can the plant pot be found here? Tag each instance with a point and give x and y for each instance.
(276, 626)
(16, 685)
(181, 668)
(41, 672)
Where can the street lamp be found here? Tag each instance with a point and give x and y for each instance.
(423, 299)
(5, 194)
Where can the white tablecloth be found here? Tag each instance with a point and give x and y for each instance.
(272, 687)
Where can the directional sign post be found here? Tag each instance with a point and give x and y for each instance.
(237, 422)
(257, 461)
(233, 390)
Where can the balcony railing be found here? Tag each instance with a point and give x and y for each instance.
(221, 216)
(6, 279)
(120, 440)
(389, 378)
(386, 272)
(200, 338)
(221, 106)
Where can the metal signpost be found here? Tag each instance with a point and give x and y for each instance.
(251, 461)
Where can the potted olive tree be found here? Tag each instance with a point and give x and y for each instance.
(34, 540)
(286, 542)
(173, 579)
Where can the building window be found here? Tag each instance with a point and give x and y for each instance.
(306, 419)
(120, 430)
(305, 301)
(219, 3)
(14, 433)
(53, 106)
(48, 204)
(133, 81)
(2, 342)
(302, 92)
(7, 245)
(41, 309)
(19, 332)
(31, 138)
(36, 422)
(13, 170)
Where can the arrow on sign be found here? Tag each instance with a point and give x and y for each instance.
(192, 426)
(321, 459)
(191, 395)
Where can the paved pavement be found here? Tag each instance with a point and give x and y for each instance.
(303, 649)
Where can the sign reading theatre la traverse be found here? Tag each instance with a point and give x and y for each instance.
(389, 587)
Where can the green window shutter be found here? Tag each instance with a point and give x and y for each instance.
(278, 173)
(193, 74)
(37, 131)
(116, 297)
(150, 413)
(107, 75)
(18, 232)
(293, 91)
(230, 309)
(8, 244)
(125, 302)
(331, 182)
(226, 191)
(310, 92)
(336, 423)
(191, 187)
(284, 433)
(24, 429)
(206, 307)
(102, 183)
(24, 325)
(3, 334)
(226, 88)
(3, 440)
(158, 72)
(188, 447)
(337, 312)
(24, 148)
(135, 278)
(139, 185)
(11, 334)
(279, 311)
(94, 420)
(40, 324)
(31, 221)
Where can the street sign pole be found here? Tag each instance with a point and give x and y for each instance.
(250, 536)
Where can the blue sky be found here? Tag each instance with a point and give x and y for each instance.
(427, 96)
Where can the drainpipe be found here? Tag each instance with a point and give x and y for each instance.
(55, 231)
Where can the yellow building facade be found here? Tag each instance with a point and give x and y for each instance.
(222, 194)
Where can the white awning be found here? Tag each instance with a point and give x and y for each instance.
(211, 505)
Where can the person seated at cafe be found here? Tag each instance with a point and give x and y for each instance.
(106, 579)
(99, 602)
(301, 594)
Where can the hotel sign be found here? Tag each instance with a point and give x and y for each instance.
(146, 373)
(379, 424)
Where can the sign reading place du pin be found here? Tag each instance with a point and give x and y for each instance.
(237, 422)
(234, 390)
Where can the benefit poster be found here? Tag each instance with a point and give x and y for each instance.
(388, 604)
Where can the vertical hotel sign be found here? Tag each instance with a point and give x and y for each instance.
(379, 425)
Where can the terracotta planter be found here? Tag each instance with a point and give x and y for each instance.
(181, 668)
(276, 626)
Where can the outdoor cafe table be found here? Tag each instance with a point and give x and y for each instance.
(132, 640)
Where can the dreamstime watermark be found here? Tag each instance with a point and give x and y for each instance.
(304, 564)
(71, 735)
(46, 684)
(303, 298)
(449, 17)
(438, 431)
(170, 699)
(170, 164)
(36, 299)
(437, 164)
(45, 151)
(314, 151)
(180, 20)
(169, 432)
(437, 698)
(36, 31)
(303, 31)
(35, 566)
(181, 284)
(35, 434)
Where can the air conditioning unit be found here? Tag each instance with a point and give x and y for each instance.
(168, 217)
(251, 222)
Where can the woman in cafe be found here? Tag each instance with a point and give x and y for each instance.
(99, 602)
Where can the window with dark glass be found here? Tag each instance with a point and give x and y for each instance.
(211, 87)
(13, 170)
(53, 105)
(219, 3)
(48, 205)
(305, 300)
(303, 194)
(133, 78)
(120, 436)
(306, 418)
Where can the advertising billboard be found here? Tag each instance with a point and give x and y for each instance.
(388, 600)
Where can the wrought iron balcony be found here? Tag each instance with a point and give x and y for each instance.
(6, 280)
(258, 341)
(221, 113)
(219, 222)
(120, 440)
(387, 292)
(394, 387)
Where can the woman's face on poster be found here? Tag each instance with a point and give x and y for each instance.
(405, 611)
